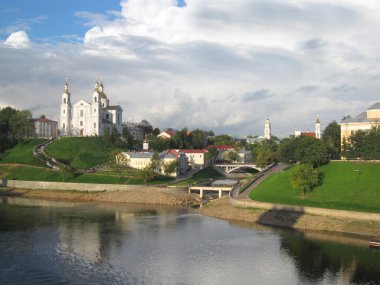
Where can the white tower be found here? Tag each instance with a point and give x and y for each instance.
(318, 128)
(65, 117)
(267, 129)
(96, 111)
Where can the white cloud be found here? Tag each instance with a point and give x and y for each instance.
(222, 65)
(18, 39)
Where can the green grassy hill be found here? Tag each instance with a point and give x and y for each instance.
(22, 153)
(346, 185)
(81, 153)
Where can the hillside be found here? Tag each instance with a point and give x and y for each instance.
(21, 153)
(346, 185)
(81, 153)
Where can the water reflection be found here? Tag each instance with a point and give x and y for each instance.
(317, 257)
(47, 242)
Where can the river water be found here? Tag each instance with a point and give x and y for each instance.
(46, 242)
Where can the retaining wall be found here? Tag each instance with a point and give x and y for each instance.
(306, 210)
(41, 185)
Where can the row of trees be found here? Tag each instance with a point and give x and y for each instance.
(15, 126)
(362, 144)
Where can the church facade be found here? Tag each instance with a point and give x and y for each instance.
(89, 118)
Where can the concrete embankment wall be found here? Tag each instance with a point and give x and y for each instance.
(41, 185)
(306, 210)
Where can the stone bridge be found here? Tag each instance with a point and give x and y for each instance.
(228, 168)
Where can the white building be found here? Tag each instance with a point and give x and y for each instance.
(45, 128)
(141, 160)
(267, 129)
(89, 119)
(195, 157)
(316, 134)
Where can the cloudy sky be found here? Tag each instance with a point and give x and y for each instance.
(210, 64)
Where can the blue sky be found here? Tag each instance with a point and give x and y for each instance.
(222, 65)
(44, 19)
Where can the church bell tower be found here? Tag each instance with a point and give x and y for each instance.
(318, 129)
(65, 117)
(267, 129)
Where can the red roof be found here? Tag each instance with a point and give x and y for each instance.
(308, 134)
(221, 147)
(193, 150)
(42, 120)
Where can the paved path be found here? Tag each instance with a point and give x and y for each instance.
(274, 169)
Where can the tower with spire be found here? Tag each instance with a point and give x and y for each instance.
(317, 128)
(65, 116)
(267, 129)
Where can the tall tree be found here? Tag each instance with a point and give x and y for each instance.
(146, 127)
(127, 136)
(312, 151)
(331, 138)
(212, 154)
(170, 167)
(287, 149)
(232, 156)
(20, 124)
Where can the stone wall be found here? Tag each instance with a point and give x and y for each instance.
(41, 185)
(306, 210)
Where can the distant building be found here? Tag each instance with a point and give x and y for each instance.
(267, 129)
(316, 134)
(89, 119)
(140, 160)
(364, 121)
(45, 128)
(168, 134)
(134, 129)
(195, 157)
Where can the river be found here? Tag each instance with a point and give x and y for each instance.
(48, 242)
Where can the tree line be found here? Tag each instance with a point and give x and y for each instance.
(15, 126)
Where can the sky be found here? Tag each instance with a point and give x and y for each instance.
(215, 65)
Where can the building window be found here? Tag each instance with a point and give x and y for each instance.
(94, 110)
(64, 100)
(64, 111)
(63, 126)
(95, 99)
(103, 105)
(94, 125)
(81, 113)
(81, 123)
(107, 116)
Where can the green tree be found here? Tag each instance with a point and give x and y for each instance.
(156, 132)
(20, 125)
(305, 178)
(118, 163)
(266, 153)
(198, 139)
(312, 151)
(146, 174)
(170, 167)
(287, 149)
(146, 127)
(232, 156)
(114, 136)
(155, 161)
(127, 136)
(212, 154)
(107, 135)
(331, 138)
(223, 140)
(6, 137)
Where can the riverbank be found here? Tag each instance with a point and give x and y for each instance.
(222, 209)
(145, 195)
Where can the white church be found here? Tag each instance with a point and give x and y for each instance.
(89, 119)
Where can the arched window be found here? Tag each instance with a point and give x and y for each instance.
(64, 100)
(81, 123)
(81, 113)
(95, 99)
(94, 110)
(64, 111)
(103, 105)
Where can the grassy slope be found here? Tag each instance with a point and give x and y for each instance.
(343, 188)
(21, 153)
(32, 173)
(203, 174)
(80, 153)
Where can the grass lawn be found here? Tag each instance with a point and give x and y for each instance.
(204, 174)
(22, 153)
(81, 153)
(33, 173)
(347, 185)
